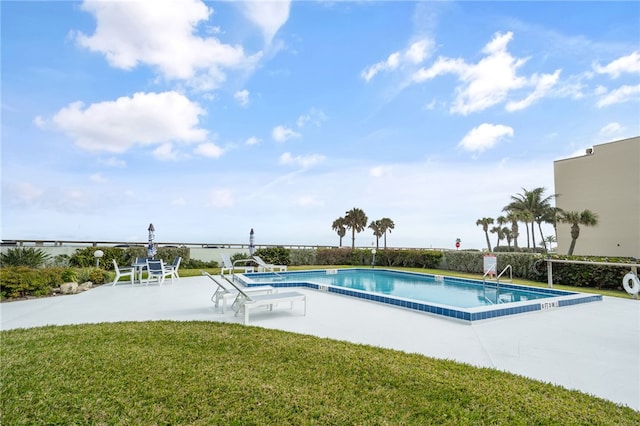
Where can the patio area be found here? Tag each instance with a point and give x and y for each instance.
(593, 347)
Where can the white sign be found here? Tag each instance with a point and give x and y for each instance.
(490, 264)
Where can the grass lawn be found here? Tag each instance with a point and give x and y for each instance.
(203, 373)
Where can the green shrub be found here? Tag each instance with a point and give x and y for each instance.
(595, 276)
(274, 255)
(22, 281)
(96, 276)
(84, 257)
(69, 275)
(24, 256)
(333, 256)
(303, 257)
(198, 264)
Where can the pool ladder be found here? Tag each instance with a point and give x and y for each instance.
(493, 268)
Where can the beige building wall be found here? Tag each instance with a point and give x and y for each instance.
(607, 182)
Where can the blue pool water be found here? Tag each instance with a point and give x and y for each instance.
(452, 297)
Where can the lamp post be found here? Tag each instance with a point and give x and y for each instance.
(252, 246)
(373, 261)
(98, 254)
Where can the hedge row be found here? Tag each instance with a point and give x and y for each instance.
(23, 281)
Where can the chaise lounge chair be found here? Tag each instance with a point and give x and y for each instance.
(264, 266)
(224, 290)
(246, 302)
(228, 266)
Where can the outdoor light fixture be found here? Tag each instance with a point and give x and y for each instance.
(373, 261)
(98, 254)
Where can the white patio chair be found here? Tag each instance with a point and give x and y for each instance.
(174, 267)
(157, 269)
(122, 272)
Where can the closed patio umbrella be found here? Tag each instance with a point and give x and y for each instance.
(151, 248)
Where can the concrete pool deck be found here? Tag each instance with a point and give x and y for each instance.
(592, 347)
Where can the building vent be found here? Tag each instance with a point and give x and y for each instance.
(589, 151)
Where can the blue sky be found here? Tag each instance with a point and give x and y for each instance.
(208, 119)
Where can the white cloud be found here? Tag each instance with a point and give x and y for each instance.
(620, 95)
(269, 16)
(484, 84)
(282, 133)
(209, 149)
(611, 129)
(301, 161)
(416, 53)
(544, 83)
(379, 171)
(314, 116)
(165, 152)
(221, 197)
(161, 34)
(144, 119)
(491, 80)
(252, 141)
(242, 97)
(625, 64)
(485, 136)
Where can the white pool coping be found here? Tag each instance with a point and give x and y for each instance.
(592, 347)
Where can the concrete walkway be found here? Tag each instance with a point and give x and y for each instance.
(594, 347)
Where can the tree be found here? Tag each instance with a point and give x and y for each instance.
(508, 235)
(339, 226)
(376, 226)
(387, 226)
(356, 221)
(499, 232)
(514, 218)
(575, 219)
(532, 206)
(485, 222)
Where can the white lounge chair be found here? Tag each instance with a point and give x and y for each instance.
(122, 272)
(245, 302)
(227, 265)
(224, 290)
(157, 269)
(264, 266)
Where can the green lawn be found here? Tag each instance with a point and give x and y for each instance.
(203, 373)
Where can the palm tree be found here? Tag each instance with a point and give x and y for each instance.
(376, 226)
(387, 225)
(508, 235)
(339, 226)
(485, 222)
(548, 215)
(498, 231)
(356, 220)
(532, 205)
(575, 218)
(514, 218)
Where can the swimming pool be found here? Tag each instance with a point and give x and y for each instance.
(459, 298)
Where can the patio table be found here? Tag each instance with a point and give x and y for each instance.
(139, 267)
